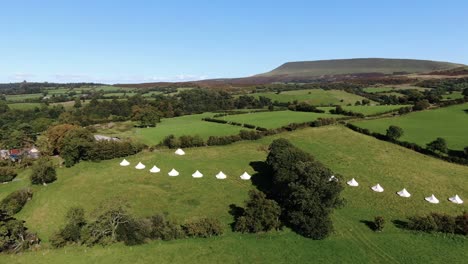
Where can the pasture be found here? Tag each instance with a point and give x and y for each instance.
(386, 89)
(24, 106)
(452, 96)
(22, 97)
(367, 110)
(314, 97)
(348, 153)
(450, 123)
(178, 126)
(276, 119)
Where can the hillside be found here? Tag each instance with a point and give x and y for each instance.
(357, 66)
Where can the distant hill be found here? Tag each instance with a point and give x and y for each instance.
(357, 66)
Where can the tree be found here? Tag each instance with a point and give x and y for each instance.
(43, 171)
(14, 236)
(260, 214)
(379, 223)
(77, 103)
(438, 145)
(465, 150)
(71, 233)
(75, 146)
(421, 105)
(394, 132)
(146, 115)
(56, 134)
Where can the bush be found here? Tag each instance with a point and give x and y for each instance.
(71, 233)
(436, 222)
(171, 142)
(394, 132)
(7, 174)
(104, 150)
(379, 223)
(249, 126)
(191, 141)
(15, 201)
(249, 135)
(43, 172)
(163, 229)
(205, 227)
(14, 236)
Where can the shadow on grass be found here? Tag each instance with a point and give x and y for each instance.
(369, 224)
(236, 212)
(262, 177)
(400, 224)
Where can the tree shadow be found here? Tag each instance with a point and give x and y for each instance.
(369, 224)
(262, 177)
(400, 224)
(236, 212)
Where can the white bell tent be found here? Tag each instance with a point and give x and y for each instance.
(432, 199)
(124, 163)
(333, 178)
(173, 173)
(404, 193)
(179, 152)
(221, 176)
(353, 183)
(245, 176)
(456, 199)
(197, 174)
(377, 188)
(155, 169)
(140, 166)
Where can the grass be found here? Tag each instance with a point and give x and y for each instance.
(423, 127)
(185, 125)
(454, 95)
(276, 119)
(368, 110)
(22, 97)
(24, 106)
(314, 97)
(386, 89)
(348, 153)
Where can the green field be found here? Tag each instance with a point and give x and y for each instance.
(276, 119)
(454, 95)
(423, 127)
(22, 97)
(24, 106)
(367, 110)
(314, 97)
(179, 126)
(351, 154)
(387, 89)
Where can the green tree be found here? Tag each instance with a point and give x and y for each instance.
(465, 150)
(438, 145)
(421, 105)
(75, 146)
(43, 171)
(14, 236)
(146, 115)
(394, 132)
(77, 103)
(71, 233)
(260, 214)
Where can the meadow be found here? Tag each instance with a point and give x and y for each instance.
(386, 89)
(348, 153)
(24, 106)
(22, 97)
(314, 97)
(453, 95)
(450, 123)
(277, 119)
(367, 110)
(178, 126)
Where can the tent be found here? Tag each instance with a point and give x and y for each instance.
(333, 178)
(155, 169)
(197, 174)
(140, 166)
(353, 183)
(377, 188)
(432, 199)
(404, 193)
(124, 163)
(173, 173)
(179, 152)
(245, 176)
(221, 176)
(456, 199)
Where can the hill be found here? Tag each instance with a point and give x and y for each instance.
(357, 66)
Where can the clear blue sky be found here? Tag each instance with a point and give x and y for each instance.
(142, 41)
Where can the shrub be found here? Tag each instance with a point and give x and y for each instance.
(249, 126)
(394, 132)
(379, 223)
(170, 141)
(205, 227)
(163, 229)
(43, 172)
(249, 135)
(191, 141)
(14, 236)
(438, 145)
(7, 174)
(71, 233)
(15, 201)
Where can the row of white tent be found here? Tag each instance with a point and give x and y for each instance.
(174, 172)
(403, 193)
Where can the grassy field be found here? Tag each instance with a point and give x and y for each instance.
(423, 127)
(351, 154)
(387, 89)
(24, 106)
(367, 110)
(276, 119)
(185, 125)
(22, 97)
(315, 97)
(454, 95)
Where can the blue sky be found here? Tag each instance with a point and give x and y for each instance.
(145, 41)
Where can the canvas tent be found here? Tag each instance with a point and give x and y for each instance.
(404, 193)
(140, 166)
(173, 173)
(221, 176)
(245, 176)
(155, 169)
(353, 183)
(432, 199)
(179, 152)
(197, 174)
(124, 163)
(333, 178)
(456, 199)
(377, 188)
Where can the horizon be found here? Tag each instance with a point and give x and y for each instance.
(127, 43)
